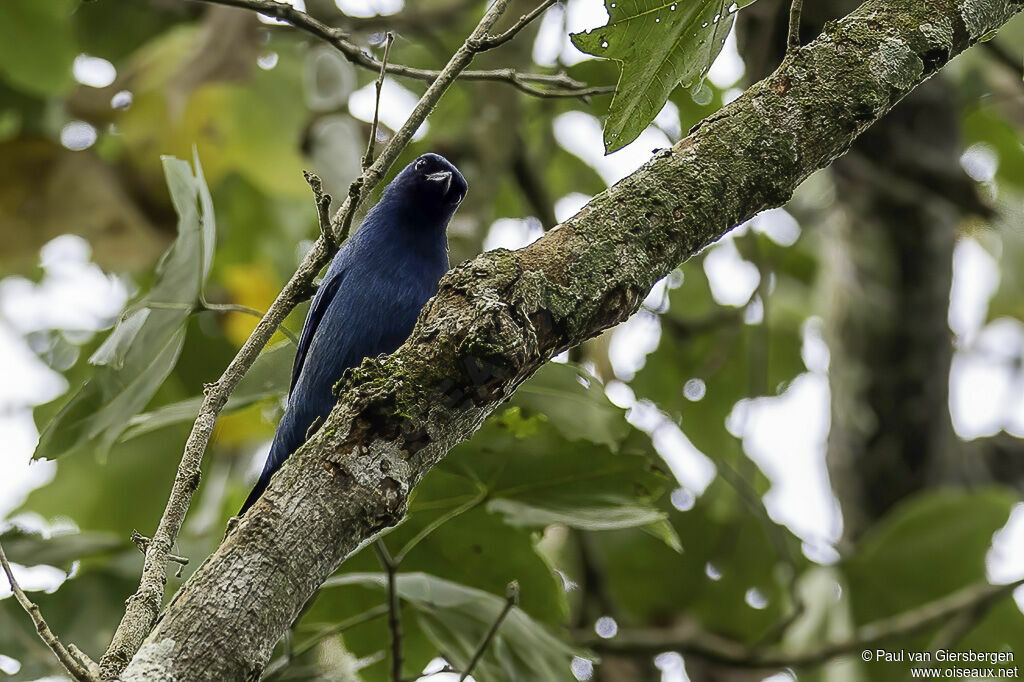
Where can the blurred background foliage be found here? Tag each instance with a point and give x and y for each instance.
(622, 486)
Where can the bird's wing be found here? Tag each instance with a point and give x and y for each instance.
(321, 302)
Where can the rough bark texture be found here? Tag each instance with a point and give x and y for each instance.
(497, 318)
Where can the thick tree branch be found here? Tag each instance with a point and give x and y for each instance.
(730, 652)
(143, 606)
(82, 669)
(537, 84)
(498, 318)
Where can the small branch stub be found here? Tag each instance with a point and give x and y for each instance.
(511, 600)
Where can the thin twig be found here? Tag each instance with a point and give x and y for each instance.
(368, 157)
(394, 609)
(712, 647)
(793, 38)
(480, 496)
(85, 670)
(491, 42)
(142, 542)
(238, 308)
(537, 84)
(322, 201)
(143, 606)
(511, 599)
(365, 617)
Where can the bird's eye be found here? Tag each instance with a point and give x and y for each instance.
(421, 164)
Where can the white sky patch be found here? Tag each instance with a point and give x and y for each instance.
(728, 68)
(984, 391)
(74, 294)
(512, 233)
(1005, 560)
(778, 225)
(369, 8)
(297, 4)
(672, 667)
(396, 104)
(975, 279)
(980, 161)
(691, 467)
(9, 665)
(33, 579)
(580, 134)
(631, 342)
(668, 122)
(733, 280)
(95, 72)
(786, 436)
(553, 45)
(570, 205)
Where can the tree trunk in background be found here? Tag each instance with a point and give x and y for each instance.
(888, 257)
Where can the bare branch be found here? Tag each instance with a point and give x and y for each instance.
(537, 84)
(719, 649)
(142, 542)
(511, 599)
(793, 39)
(368, 157)
(394, 609)
(322, 201)
(80, 668)
(491, 42)
(143, 607)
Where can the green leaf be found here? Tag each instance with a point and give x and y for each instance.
(144, 346)
(659, 44)
(268, 378)
(534, 477)
(456, 618)
(37, 45)
(60, 549)
(926, 548)
(575, 404)
(945, 528)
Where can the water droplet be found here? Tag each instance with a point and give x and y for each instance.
(755, 599)
(612, 5)
(711, 571)
(582, 669)
(733, 8)
(77, 135)
(604, 43)
(717, 17)
(672, 8)
(704, 25)
(657, 20)
(267, 61)
(121, 100)
(682, 499)
(701, 93)
(606, 627)
(694, 389)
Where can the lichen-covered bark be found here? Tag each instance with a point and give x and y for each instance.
(497, 318)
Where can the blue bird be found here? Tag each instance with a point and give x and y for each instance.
(370, 297)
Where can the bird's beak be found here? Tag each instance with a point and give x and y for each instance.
(442, 176)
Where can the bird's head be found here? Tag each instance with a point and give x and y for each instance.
(431, 186)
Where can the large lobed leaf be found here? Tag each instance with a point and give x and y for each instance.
(456, 619)
(144, 346)
(659, 44)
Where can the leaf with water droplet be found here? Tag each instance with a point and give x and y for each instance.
(659, 45)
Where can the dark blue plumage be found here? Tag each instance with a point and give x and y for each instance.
(371, 295)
